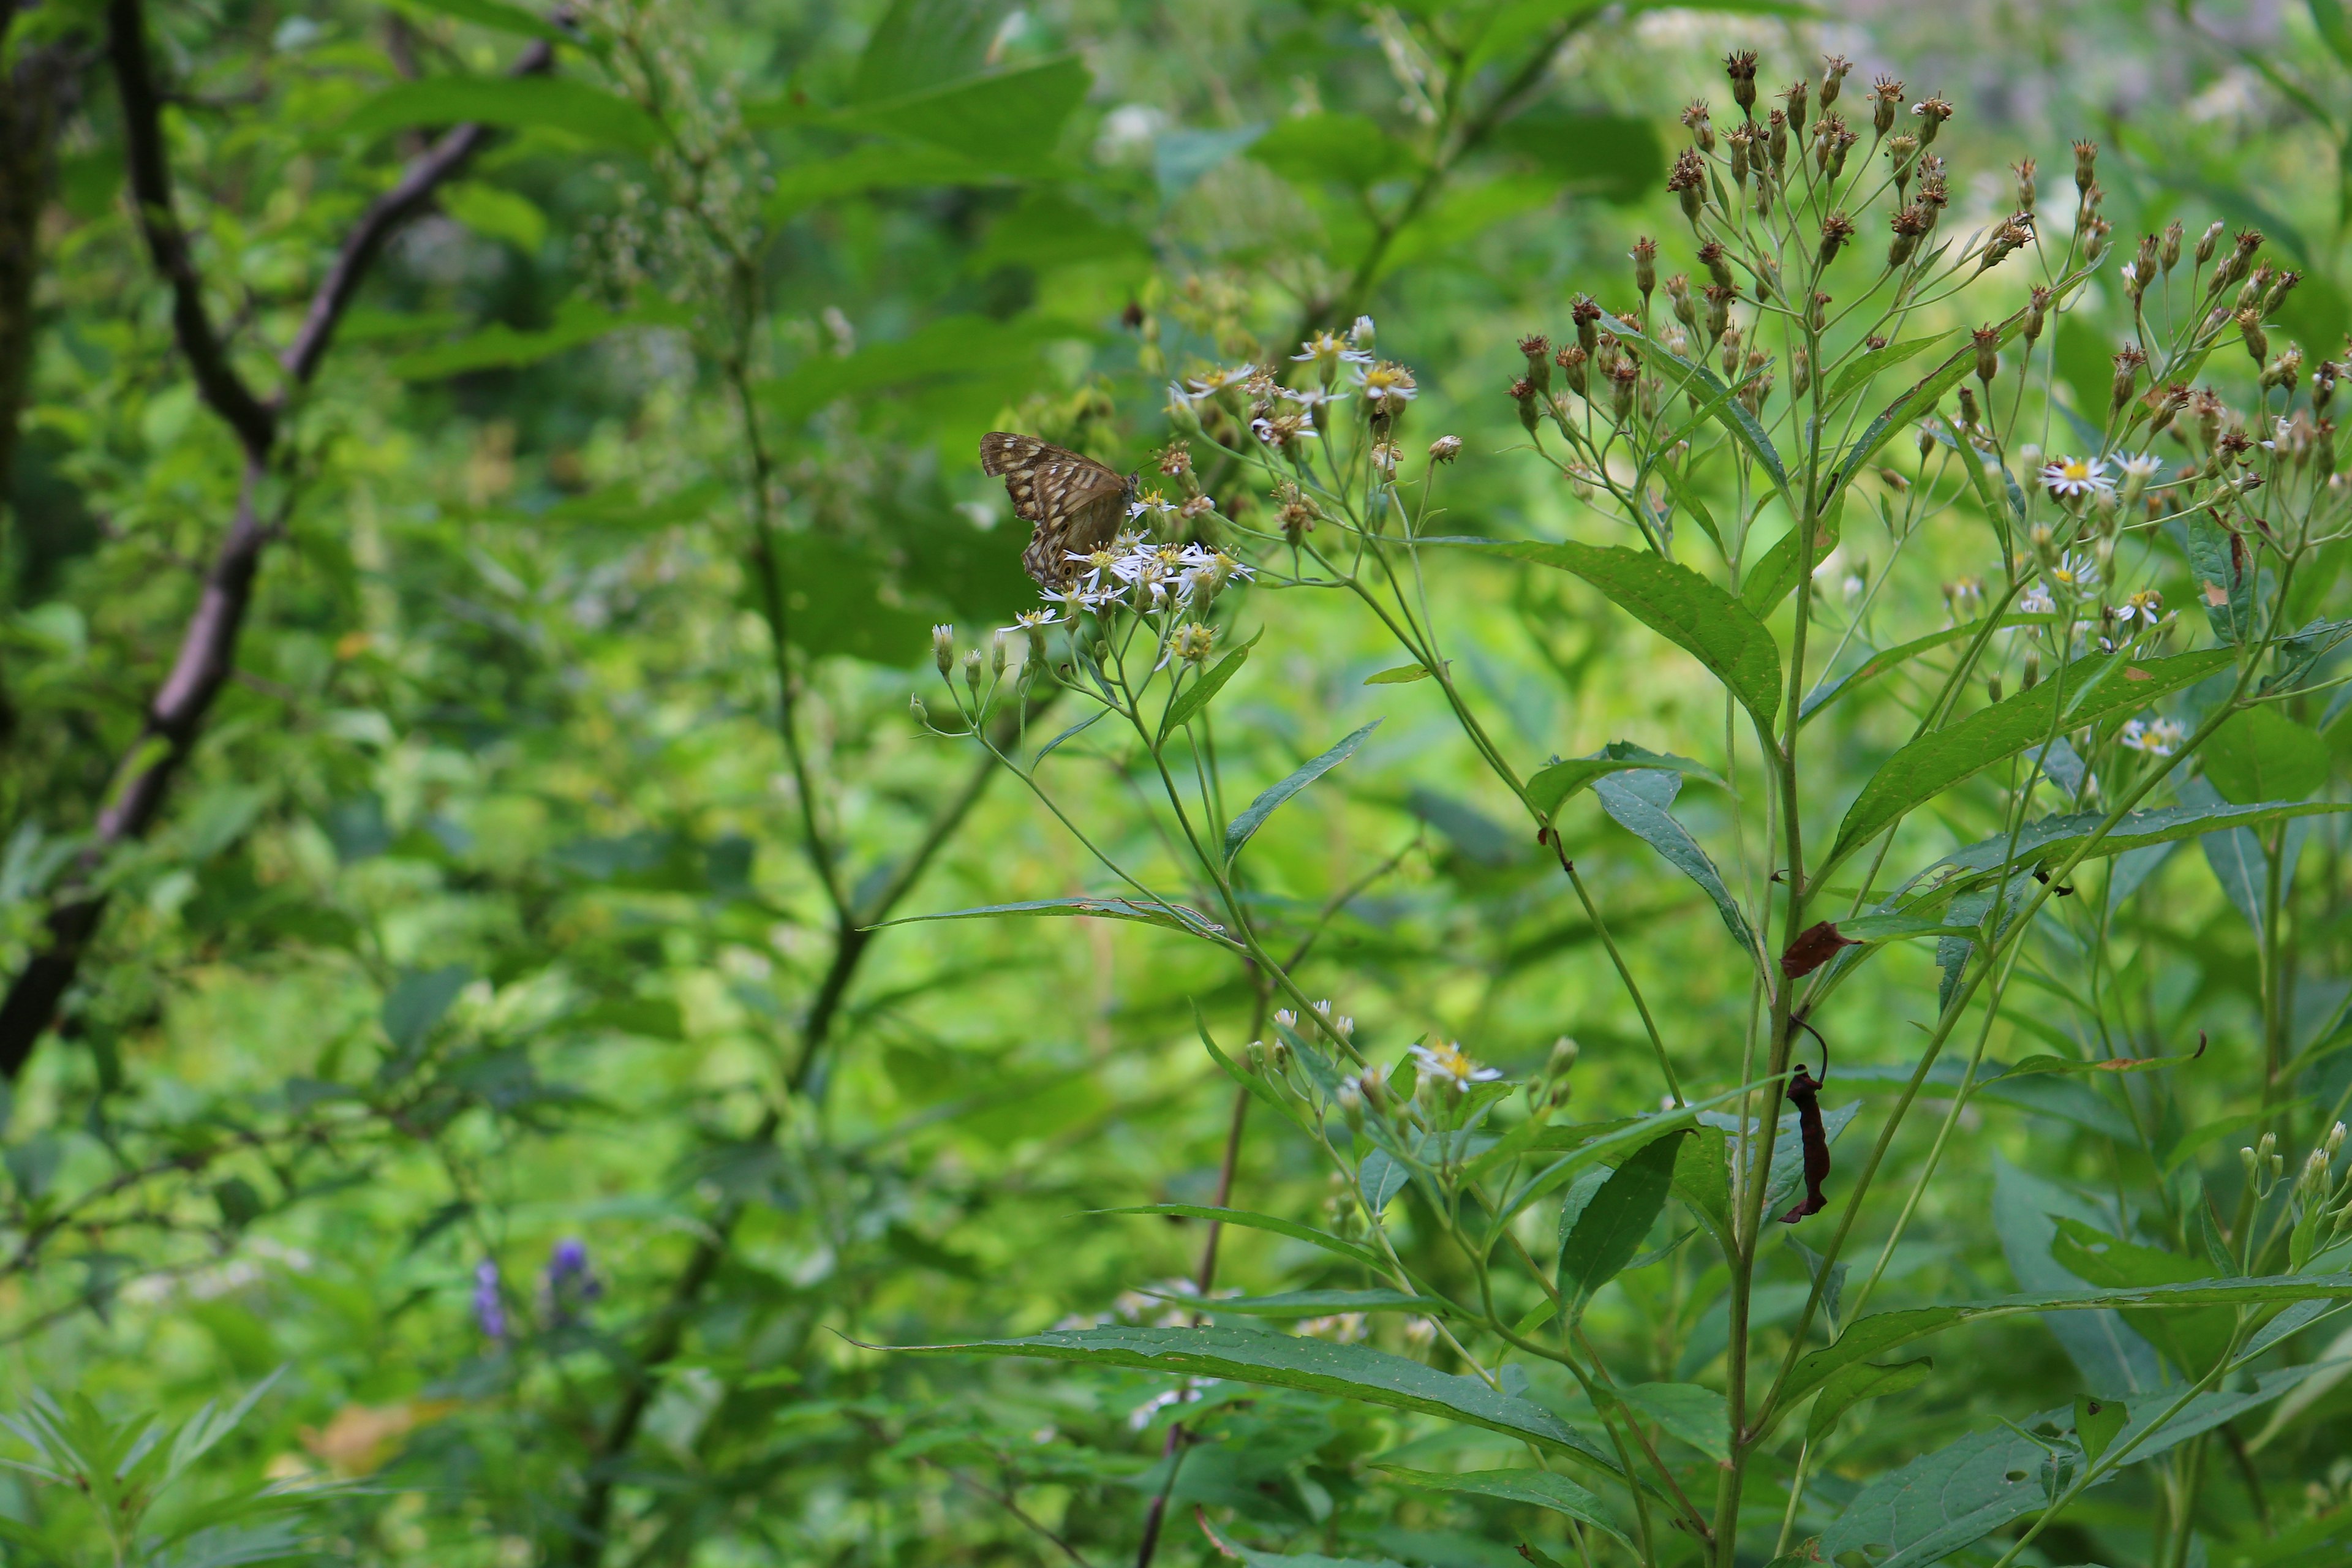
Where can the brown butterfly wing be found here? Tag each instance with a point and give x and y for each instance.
(1073, 502)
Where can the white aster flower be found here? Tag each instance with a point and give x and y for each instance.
(2075, 572)
(2147, 605)
(2076, 476)
(2036, 601)
(2156, 737)
(1217, 380)
(2145, 466)
(1450, 1063)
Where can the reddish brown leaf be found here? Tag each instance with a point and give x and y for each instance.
(1814, 946)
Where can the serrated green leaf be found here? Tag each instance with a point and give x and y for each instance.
(2103, 685)
(1617, 1217)
(1678, 603)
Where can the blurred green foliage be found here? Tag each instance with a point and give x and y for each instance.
(495, 908)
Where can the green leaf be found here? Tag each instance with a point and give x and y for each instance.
(1013, 118)
(2054, 839)
(1196, 696)
(2096, 1423)
(1939, 1503)
(1257, 1559)
(1921, 398)
(1239, 831)
(1678, 603)
(1882, 1332)
(1702, 1178)
(496, 213)
(1249, 1221)
(1617, 157)
(1858, 1383)
(1774, 575)
(2335, 29)
(1401, 674)
(1553, 785)
(1313, 1303)
(1871, 361)
(1897, 928)
(1538, 1489)
(1170, 917)
(877, 166)
(2261, 754)
(418, 1001)
(1683, 375)
(513, 104)
(2100, 686)
(500, 347)
(1317, 1366)
(1617, 1217)
(1340, 149)
(1699, 1416)
(1638, 803)
(952, 348)
(1879, 663)
(495, 15)
(2225, 577)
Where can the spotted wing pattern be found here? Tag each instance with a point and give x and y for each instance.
(1075, 503)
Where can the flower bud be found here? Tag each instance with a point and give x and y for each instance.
(1571, 362)
(1523, 392)
(1740, 67)
(922, 714)
(1835, 69)
(972, 670)
(1993, 687)
(1885, 93)
(1801, 372)
(1445, 448)
(2205, 243)
(996, 653)
(1622, 377)
(2127, 361)
(1352, 1105)
(2249, 328)
(1645, 267)
(2086, 164)
(2024, 169)
(2037, 312)
(1586, 314)
(1818, 317)
(943, 648)
(1987, 345)
(2030, 677)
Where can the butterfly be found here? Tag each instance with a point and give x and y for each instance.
(1077, 503)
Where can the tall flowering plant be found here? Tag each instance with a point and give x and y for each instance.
(1745, 426)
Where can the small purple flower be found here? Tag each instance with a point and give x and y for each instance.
(567, 1285)
(489, 1307)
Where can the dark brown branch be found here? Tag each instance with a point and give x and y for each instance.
(176, 713)
(151, 187)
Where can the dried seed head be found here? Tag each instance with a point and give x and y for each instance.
(1740, 67)
(1730, 348)
(1903, 155)
(1523, 392)
(1988, 343)
(1718, 309)
(1711, 256)
(2128, 359)
(1742, 138)
(1645, 267)
(1909, 224)
(1818, 317)
(1571, 360)
(1776, 140)
(2026, 191)
(1836, 229)
(1586, 314)
(2323, 385)
(2173, 399)
(2281, 287)
(1445, 448)
(2168, 256)
(1622, 377)
(2206, 241)
(2086, 166)
(1970, 419)
(2285, 370)
(1687, 183)
(1885, 98)
(1932, 112)
(1702, 130)
(1537, 349)
(2008, 240)
(1801, 372)
(2249, 328)
(2037, 311)
(1835, 71)
(1794, 95)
